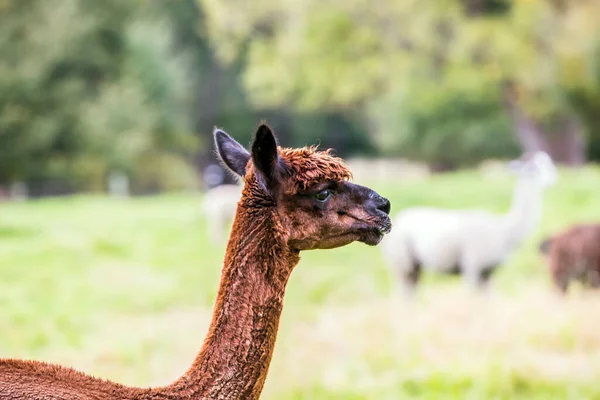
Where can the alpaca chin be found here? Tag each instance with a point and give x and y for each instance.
(372, 237)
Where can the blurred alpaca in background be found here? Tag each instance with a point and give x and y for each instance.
(218, 207)
(574, 255)
(468, 242)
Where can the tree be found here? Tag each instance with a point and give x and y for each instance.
(87, 87)
(425, 74)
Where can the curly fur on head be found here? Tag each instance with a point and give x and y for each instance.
(310, 166)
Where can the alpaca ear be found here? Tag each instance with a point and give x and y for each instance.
(233, 154)
(264, 154)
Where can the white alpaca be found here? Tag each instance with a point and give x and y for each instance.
(218, 206)
(468, 242)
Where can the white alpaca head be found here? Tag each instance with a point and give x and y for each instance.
(537, 165)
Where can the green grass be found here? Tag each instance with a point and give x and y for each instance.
(123, 289)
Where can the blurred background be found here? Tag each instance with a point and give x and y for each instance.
(135, 87)
(427, 100)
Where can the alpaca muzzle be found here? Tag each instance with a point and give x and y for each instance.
(382, 213)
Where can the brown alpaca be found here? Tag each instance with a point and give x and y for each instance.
(292, 200)
(574, 255)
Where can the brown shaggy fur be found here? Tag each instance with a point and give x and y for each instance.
(278, 215)
(574, 255)
(311, 167)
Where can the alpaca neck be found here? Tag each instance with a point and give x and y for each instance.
(525, 211)
(236, 353)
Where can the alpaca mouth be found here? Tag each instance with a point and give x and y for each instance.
(383, 224)
(386, 227)
(374, 236)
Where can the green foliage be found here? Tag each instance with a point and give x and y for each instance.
(454, 129)
(86, 88)
(422, 75)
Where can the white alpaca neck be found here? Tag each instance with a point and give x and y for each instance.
(525, 211)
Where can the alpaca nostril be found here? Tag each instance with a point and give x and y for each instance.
(385, 206)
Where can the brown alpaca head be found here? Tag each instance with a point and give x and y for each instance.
(310, 190)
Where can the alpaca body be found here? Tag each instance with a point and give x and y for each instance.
(574, 255)
(292, 200)
(468, 242)
(454, 232)
(25, 380)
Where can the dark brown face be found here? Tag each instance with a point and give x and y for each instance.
(317, 205)
(333, 214)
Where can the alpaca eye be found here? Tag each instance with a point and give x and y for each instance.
(323, 195)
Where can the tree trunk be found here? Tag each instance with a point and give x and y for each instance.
(566, 144)
(563, 141)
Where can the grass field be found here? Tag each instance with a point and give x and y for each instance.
(123, 289)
